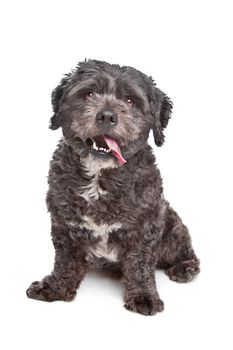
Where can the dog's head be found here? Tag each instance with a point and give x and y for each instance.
(107, 110)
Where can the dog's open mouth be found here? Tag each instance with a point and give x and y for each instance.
(105, 145)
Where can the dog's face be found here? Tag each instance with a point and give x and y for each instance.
(107, 110)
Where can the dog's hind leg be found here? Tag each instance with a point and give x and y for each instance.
(176, 254)
(69, 270)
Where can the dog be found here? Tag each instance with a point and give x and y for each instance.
(105, 193)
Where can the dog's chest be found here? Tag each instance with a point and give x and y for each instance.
(93, 190)
(93, 168)
(101, 249)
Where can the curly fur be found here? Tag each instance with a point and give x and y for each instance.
(105, 216)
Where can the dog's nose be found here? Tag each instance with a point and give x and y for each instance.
(106, 117)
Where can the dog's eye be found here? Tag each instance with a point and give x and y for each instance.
(130, 101)
(88, 95)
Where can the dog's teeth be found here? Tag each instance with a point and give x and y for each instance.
(96, 148)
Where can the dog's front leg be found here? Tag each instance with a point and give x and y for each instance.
(69, 270)
(140, 293)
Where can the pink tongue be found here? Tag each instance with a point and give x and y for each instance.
(115, 149)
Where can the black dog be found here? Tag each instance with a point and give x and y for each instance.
(105, 192)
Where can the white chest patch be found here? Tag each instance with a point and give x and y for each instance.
(93, 190)
(93, 168)
(101, 249)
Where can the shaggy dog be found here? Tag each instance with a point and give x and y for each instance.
(105, 192)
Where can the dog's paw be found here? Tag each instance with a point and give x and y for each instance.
(48, 292)
(184, 271)
(41, 291)
(145, 304)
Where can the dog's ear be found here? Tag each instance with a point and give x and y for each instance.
(161, 108)
(56, 96)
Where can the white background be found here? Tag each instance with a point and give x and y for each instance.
(187, 47)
